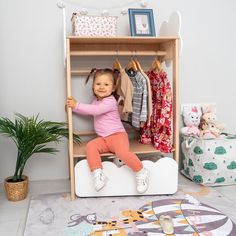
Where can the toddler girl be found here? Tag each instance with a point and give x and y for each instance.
(112, 136)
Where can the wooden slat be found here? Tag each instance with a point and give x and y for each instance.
(120, 40)
(114, 53)
(80, 72)
(135, 146)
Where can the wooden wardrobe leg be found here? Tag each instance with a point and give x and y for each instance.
(70, 126)
(176, 113)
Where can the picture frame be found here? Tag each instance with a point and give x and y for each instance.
(142, 22)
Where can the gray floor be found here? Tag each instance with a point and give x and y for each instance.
(13, 214)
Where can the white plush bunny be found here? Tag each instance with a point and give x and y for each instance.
(191, 117)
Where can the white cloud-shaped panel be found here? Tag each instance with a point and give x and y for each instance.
(163, 179)
(172, 28)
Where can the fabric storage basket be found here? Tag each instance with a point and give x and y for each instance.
(94, 25)
(210, 162)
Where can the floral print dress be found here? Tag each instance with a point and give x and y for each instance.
(159, 132)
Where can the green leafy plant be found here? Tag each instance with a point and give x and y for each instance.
(31, 136)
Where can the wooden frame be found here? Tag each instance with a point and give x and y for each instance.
(141, 22)
(167, 47)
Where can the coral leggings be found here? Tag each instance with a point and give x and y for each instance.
(118, 144)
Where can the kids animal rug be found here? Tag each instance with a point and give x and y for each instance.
(55, 214)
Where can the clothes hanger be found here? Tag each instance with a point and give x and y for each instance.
(139, 68)
(131, 66)
(156, 65)
(117, 65)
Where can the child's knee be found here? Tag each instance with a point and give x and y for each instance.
(92, 145)
(122, 154)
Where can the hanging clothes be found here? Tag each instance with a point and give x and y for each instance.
(149, 99)
(139, 98)
(159, 132)
(124, 91)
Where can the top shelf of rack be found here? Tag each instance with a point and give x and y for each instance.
(122, 40)
(121, 46)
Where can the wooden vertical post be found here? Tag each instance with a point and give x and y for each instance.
(176, 113)
(69, 118)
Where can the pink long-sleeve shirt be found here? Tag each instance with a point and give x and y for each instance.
(106, 116)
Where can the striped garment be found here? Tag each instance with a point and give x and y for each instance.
(139, 98)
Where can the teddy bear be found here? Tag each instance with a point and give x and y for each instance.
(208, 114)
(191, 118)
(209, 126)
(208, 130)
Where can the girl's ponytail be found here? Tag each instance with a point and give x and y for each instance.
(94, 70)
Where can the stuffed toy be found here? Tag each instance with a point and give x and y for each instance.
(208, 130)
(209, 116)
(191, 117)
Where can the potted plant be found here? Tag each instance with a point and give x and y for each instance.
(31, 136)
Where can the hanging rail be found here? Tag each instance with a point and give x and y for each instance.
(121, 53)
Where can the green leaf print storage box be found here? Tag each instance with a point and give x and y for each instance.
(210, 162)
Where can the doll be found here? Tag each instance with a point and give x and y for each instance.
(191, 117)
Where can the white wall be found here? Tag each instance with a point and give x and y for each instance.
(31, 63)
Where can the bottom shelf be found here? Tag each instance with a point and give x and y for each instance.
(135, 146)
(163, 179)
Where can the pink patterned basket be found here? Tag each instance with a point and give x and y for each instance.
(94, 25)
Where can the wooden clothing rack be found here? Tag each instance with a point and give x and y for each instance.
(165, 47)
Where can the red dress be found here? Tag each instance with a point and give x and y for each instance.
(159, 133)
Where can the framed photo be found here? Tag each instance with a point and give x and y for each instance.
(141, 22)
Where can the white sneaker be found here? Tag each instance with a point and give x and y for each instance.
(142, 180)
(166, 223)
(99, 179)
